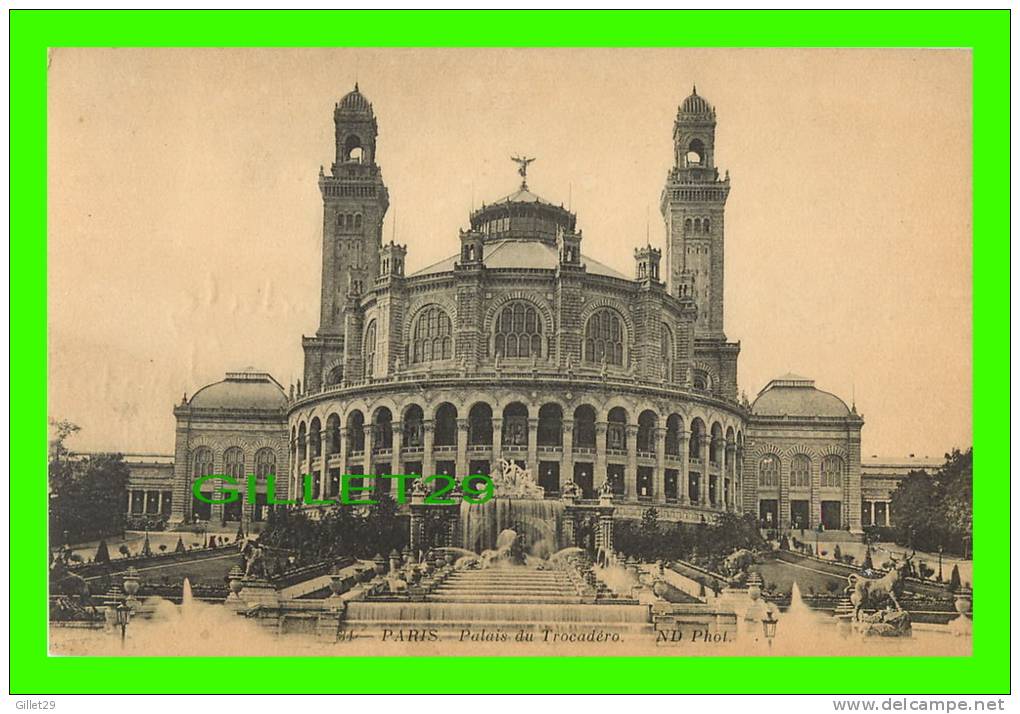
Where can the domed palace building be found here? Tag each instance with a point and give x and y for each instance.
(519, 346)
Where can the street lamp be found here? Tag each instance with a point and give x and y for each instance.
(940, 563)
(123, 613)
(768, 624)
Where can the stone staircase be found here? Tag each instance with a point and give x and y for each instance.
(517, 585)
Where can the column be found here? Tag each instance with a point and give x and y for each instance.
(815, 516)
(683, 476)
(396, 463)
(497, 443)
(159, 503)
(659, 478)
(533, 446)
(462, 443)
(369, 431)
(131, 498)
(730, 475)
(630, 478)
(323, 463)
(600, 454)
(428, 458)
(703, 453)
(567, 458)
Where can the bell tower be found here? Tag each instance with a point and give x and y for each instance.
(693, 207)
(354, 203)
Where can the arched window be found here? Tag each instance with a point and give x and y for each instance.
(832, 472)
(687, 225)
(203, 463)
(518, 331)
(265, 464)
(768, 471)
(432, 338)
(800, 472)
(584, 426)
(705, 225)
(603, 338)
(697, 225)
(369, 349)
(357, 221)
(700, 380)
(233, 464)
(695, 153)
(666, 351)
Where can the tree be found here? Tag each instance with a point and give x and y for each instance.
(180, 545)
(954, 579)
(102, 553)
(837, 554)
(86, 493)
(932, 510)
(124, 550)
(867, 564)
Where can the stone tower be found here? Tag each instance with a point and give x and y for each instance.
(693, 206)
(354, 203)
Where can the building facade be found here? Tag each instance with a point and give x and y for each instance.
(519, 346)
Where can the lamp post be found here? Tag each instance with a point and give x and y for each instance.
(123, 613)
(768, 624)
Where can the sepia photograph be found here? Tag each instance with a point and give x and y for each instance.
(509, 352)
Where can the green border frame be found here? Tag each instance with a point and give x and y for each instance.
(986, 32)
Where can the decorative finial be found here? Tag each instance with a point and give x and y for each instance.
(694, 89)
(522, 163)
(355, 85)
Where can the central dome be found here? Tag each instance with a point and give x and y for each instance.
(523, 215)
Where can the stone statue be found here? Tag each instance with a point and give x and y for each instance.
(254, 559)
(512, 481)
(570, 490)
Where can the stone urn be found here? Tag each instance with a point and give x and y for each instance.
(336, 584)
(380, 564)
(131, 582)
(964, 601)
(234, 578)
(448, 558)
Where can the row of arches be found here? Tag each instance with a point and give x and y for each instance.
(515, 423)
(264, 462)
(832, 470)
(519, 332)
(349, 221)
(697, 225)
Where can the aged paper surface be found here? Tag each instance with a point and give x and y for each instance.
(679, 332)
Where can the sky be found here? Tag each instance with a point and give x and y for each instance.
(185, 217)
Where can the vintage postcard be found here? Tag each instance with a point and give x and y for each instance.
(510, 352)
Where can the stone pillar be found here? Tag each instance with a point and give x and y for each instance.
(683, 476)
(729, 474)
(703, 453)
(815, 516)
(567, 457)
(397, 463)
(417, 535)
(497, 442)
(533, 446)
(323, 465)
(600, 454)
(630, 478)
(369, 431)
(131, 499)
(159, 503)
(604, 539)
(462, 444)
(428, 458)
(569, 534)
(659, 476)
